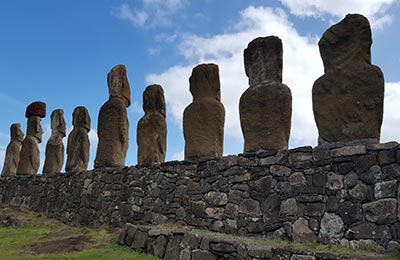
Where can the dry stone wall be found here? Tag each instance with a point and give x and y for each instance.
(339, 195)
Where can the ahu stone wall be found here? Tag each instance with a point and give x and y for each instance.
(341, 195)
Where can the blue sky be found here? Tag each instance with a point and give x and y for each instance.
(60, 52)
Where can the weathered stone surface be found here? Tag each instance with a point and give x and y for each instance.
(265, 108)
(316, 209)
(199, 254)
(216, 198)
(348, 150)
(331, 229)
(159, 245)
(55, 147)
(367, 230)
(12, 156)
(280, 170)
(173, 249)
(297, 179)
(152, 127)
(288, 208)
(350, 212)
(250, 207)
(360, 192)
(113, 124)
(302, 257)
(334, 181)
(348, 98)
(37, 108)
(350, 179)
(387, 189)
(381, 211)
(204, 118)
(271, 208)
(302, 233)
(78, 141)
(30, 155)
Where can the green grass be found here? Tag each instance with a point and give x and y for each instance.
(15, 240)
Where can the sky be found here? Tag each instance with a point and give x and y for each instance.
(60, 52)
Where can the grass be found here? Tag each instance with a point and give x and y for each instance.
(15, 240)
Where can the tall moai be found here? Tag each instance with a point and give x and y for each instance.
(78, 141)
(265, 108)
(204, 118)
(29, 161)
(113, 124)
(13, 150)
(348, 98)
(55, 147)
(151, 131)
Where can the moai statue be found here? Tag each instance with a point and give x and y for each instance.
(348, 98)
(152, 127)
(113, 124)
(30, 155)
(78, 141)
(265, 108)
(12, 152)
(55, 147)
(204, 118)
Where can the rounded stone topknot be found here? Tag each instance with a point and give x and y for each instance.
(37, 108)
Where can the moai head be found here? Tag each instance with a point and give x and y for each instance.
(204, 82)
(81, 118)
(263, 60)
(153, 100)
(348, 41)
(57, 122)
(118, 84)
(34, 112)
(16, 133)
(34, 128)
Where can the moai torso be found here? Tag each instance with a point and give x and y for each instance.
(13, 151)
(204, 118)
(29, 162)
(78, 141)
(265, 108)
(55, 147)
(152, 127)
(348, 98)
(113, 124)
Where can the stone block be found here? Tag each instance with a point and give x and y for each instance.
(387, 189)
(215, 198)
(334, 181)
(383, 211)
(331, 229)
(351, 212)
(250, 207)
(301, 233)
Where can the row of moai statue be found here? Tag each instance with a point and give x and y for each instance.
(347, 105)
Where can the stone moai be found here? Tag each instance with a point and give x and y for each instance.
(204, 118)
(113, 124)
(152, 127)
(55, 147)
(348, 98)
(30, 155)
(13, 151)
(265, 108)
(78, 141)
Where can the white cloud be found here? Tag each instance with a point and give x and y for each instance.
(179, 156)
(136, 107)
(136, 17)
(391, 117)
(301, 66)
(373, 9)
(154, 13)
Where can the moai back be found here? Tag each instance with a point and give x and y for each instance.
(348, 98)
(265, 108)
(204, 118)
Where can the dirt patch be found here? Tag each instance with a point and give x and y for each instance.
(61, 234)
(72, 244)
